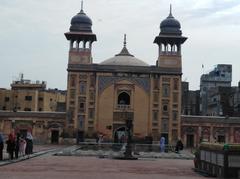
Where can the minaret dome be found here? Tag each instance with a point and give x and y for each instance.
(170, 25)
(81, 22)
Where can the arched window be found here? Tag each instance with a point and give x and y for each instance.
(123, 99)
(81, 45)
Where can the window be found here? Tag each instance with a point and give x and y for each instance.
(28, 98)
(165, 91)
(155, 97)
(92, 81)
(165, 107)
(72, 81)
(82, 87)
(40, 109)
(155, 115)
(81, 121)
(72, 93)
(156, 84)
(7, 99)
(175, 115)
(91, 113)
(164, 125)
(175, 84)
(91, 95)
(221, 139)
(175, 97)
(4, 108)
(82, 107)
(123, 99)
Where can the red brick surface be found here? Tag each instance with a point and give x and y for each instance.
(51, 167)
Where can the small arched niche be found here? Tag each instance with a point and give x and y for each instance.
(123, 98)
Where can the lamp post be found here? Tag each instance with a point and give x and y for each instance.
(128, 151)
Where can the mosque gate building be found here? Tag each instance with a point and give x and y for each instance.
(101, 97)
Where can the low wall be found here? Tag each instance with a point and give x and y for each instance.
(221, 160)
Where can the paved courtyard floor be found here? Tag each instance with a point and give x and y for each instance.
(71, 167)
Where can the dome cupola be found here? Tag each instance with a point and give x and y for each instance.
(170, 25)
(124, 58)
(81, 22)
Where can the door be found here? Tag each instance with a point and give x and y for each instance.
(55, 137)
(23, 133)
(190, 140)
(80, 136)
(221, 139)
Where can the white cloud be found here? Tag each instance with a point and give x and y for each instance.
(32, 34)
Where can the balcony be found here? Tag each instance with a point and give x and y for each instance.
(123, 107)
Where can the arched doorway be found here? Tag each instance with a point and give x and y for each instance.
(120, 135)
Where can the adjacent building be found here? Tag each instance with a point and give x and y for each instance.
(224, 101)
(214, 129)
(190, 100)
(26, 95)
(220, 76)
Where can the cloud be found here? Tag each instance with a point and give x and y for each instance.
(32, 34)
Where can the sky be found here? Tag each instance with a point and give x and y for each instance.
(32, 38)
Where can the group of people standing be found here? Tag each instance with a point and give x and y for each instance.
(178, 147)
(17, 145)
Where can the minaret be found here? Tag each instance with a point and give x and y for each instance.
(169, 41)
(81, 39)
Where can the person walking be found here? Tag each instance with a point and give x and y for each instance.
(22, 146)
(29, 146)
(179, 146)
(1, 146)
(162, 144)
(10, 145)
(17, 144)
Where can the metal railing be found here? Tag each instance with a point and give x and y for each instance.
(120, 146)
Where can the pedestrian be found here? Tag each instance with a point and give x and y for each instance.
(10, 145)
(17, 143)
(29, 146)
(1, 146)
(97, 138)
(162, 144)
(22, 146)
(179, 146)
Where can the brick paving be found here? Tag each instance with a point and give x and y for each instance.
(71, 167)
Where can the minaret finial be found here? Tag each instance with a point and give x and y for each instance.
(170, 13)
(82, 6)
(125, 40)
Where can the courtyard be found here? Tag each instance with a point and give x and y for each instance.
(49, 166)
